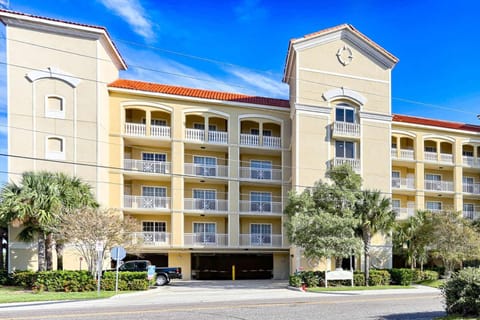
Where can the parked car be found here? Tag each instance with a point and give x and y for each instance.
(164, 274)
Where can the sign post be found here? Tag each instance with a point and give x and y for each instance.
(99, 247)
(117, 253)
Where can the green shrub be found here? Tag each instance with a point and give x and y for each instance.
(64, 281)
(379, 278)
(402, 276)
(138, 284)
(358, 279)
(24, 279)
(126, 281)
(425, 275)
(4, 279)
(310, 278)
(295, 280)
(462, 292)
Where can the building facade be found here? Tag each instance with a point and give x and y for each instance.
(207, 173)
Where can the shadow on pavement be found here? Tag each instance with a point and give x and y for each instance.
(414, 316)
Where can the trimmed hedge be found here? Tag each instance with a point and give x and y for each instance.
(126, 281)
(4, 279)
(379, 278)
(402, 276)
(462, 293)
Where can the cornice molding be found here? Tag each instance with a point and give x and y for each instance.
(364, 115)
(313, 109)
(342, 92)
(53, 72)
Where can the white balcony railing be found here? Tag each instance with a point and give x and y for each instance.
(471, 162)
(403, 183)
(260, 207)
(472, 215)
(146, 202)
(444, 186)
(272, 142)
(160, 131)
(206, 239)
(157, 239)
(205, 205)
(220, 137)
(261, 240)
(446, 157)
(473, 188)
(249, 139)
(405, 154)
(404, 213)
(354, 163)
(195, 135)
(135, 129)
(430, 156)
(433, 157)
(147, 166)
(346, 129)
(206, 170)
(260, 174)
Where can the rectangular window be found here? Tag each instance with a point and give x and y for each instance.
(205, 166)
(154, 231)
(434, 206)
(205, 199)
(433, 177)
(468, 184)
(345, 149)
(151, 162)
(260, 234)
(468, 210)
(260, 169)
(204, 232)
(344, 115)
(467, 153)
(154, 197)
(396, 183)
(260, 201)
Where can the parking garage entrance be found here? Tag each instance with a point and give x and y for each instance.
(219, 266)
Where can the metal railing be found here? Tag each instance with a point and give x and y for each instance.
(260, 240)
(205, 205)
(206, 170)
(472, 215)
(439, 185)
(404, 213)
(146, 202)
(403, 183)
(152, 238)
(473, 188)
(252, 173)
(260, 207)
(205, 239)
(147, 166)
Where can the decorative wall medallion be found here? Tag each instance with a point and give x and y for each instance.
(345, 55)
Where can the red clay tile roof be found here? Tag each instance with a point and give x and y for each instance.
(197, 93)
(436, 123)
(103, 29)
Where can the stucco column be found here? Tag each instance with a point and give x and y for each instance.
(206, 128)
(398, 142)
(260, 133)
(148, 122)
(439, 151)
(177, 193)
(419, 186)
(233, 197)
(458, 188)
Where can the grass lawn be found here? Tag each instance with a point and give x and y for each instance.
(17, 294)
(322, 289)
(433, 283)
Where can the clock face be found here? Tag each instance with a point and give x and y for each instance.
(345, 55)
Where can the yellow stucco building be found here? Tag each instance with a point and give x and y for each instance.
(207, 173)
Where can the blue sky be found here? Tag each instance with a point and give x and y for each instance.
(240, 46)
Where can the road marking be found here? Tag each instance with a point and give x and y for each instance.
(223, 307)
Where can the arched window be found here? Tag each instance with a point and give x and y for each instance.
(55, 148)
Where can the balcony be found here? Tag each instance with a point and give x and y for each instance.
(146, 166)
(473, 188)
(405, 154)
(354, 163)
(471, 162)
(146, 202)
(472, 215)
(261, 240)
(441, 186)
(140, 130)
(253, 140)
(404, 213)
(259, 174)
(198, 135)
(206, 205)
(155, 239)
(346, 129)
(206, 170)
(205, 240)
(434, 157)
(403, 183)
(260, 207)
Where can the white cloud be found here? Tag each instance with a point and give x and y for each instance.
(133, 13)
(264, 84)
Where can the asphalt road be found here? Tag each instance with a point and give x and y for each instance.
(222, 300)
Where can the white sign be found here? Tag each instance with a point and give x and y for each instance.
(99, 246)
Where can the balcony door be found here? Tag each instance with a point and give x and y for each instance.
(205, 166)
(205, 199)
(261, 169)
(154, 231)
(343, 113)
(154, 162)
(204, 232)
(260, 202)
(260, 234)
(154, 197)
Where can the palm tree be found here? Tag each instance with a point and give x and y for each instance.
(38, 202)
(374, 214)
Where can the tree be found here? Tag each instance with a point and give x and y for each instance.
(414, 235)
(88, 226)
(38, 202)
(321, 220)
(374, 215)
(453, 239)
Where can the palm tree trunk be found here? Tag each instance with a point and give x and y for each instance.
(3, 236)
(49, 251)
(367, 238)
(59, 246)
(41, 252)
